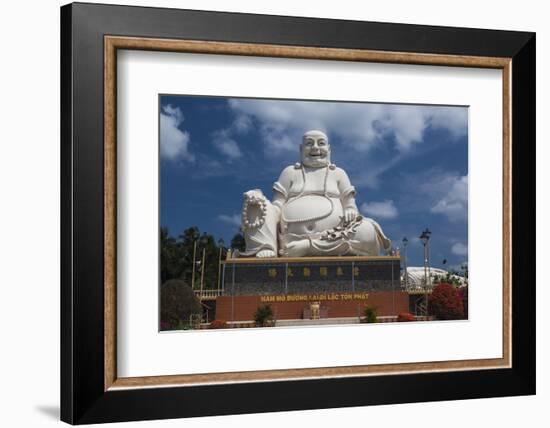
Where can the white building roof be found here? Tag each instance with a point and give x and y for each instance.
(415, 275)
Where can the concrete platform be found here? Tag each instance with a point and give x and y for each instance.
(322, 321)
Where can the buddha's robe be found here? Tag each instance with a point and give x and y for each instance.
(312, 203)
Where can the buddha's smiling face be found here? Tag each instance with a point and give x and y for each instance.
(315, 149)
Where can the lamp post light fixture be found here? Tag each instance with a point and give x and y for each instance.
(406, 274)
(425, 238)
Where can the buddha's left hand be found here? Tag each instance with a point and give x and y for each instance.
(350, 214)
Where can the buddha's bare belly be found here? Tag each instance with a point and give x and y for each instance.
(311, 214)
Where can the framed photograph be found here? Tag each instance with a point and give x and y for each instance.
(257, 207)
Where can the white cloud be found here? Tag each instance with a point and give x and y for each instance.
(384, 210)
(454, 120)
(459, 249)
(227, 145)
(223, 138)
(360, 125)
(370, 177)
(453, 201)
(234, 220)
(174, 142)
(230, 148)
(242, 124)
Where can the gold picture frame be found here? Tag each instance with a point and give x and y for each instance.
(114, 43)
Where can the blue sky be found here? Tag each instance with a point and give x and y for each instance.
(409, 163)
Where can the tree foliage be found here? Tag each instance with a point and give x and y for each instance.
(370, 314)
(238, 242)
(450, 277)
(170, 255)
(263, 316)
(445, 303)
(177, 302)
(176, 257)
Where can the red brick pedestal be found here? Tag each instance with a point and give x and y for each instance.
(293, 306)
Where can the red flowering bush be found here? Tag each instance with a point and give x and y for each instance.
(405, 316)
(445, 303)
(218, 324)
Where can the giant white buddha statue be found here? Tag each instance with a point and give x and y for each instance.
(313, 212)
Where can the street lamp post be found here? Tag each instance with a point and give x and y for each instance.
(464, 268)
(195, 237)
(425, 238)
(405, 243)
(220, 244)
(204, 240)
